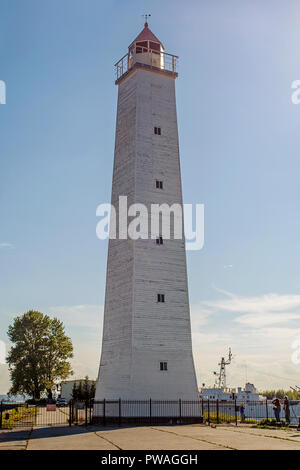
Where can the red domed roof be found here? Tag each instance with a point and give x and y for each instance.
(147, 35)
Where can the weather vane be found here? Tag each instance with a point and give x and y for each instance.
(146, 18)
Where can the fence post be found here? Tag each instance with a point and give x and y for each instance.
(208, 415)
(235, 413)
(202, 407)
(86, 412)
(1, 412)
(70, 413)
(120, 412)
(267, 413)
(180, 410)
(218, 410)
(90, 404)
(150, 411)
(104, 411)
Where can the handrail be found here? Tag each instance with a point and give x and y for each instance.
(168, 62)
(121, 59)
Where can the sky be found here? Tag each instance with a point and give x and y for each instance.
(239, 146)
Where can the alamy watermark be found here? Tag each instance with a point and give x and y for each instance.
(153, 222)
(295, 96)
(2, 92)
(295, 357)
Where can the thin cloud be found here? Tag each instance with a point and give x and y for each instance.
(87, 316)
(258, 320)
(223, 291)
(260, 329)
(200, 316)
(268, 303)
(6, 245)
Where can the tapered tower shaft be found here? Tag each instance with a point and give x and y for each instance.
(146, 348)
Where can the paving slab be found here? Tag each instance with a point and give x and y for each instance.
(191, 437)
(148, 438)
(291, 434)
(68, 438)
(234, 439)
(14, 439)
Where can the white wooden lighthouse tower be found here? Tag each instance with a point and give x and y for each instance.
(146, 348)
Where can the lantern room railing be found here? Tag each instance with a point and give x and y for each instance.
(148, 57)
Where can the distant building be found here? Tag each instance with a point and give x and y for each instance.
(66, 387)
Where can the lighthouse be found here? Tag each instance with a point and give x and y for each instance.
(146, 345)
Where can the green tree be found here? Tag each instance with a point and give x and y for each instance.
(89, 388)
(74, 391)
(86, 388)
(280, 393)
(92, 390)
(39, 355)
(80, 391)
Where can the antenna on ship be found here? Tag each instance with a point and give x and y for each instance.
(297, 389)
(221, 379)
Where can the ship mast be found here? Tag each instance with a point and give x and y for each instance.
(221, 380)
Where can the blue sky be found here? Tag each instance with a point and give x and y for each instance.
(239, 144)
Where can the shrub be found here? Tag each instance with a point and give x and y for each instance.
(11, 417)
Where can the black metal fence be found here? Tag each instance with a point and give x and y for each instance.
(139, 412)
(146, 412)
(218, 411)
(186, 411)
(16, 415)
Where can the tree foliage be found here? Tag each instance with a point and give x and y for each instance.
(39, 355)
(84, 390)
(280, 393)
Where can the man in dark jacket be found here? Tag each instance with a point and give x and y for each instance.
(276, 409)
(286, 407)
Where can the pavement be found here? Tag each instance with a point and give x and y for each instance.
(183, 437)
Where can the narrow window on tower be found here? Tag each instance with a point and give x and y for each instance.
(163, 366)
(157, 130)
(159, 184)
(159, 241)
(160, 297)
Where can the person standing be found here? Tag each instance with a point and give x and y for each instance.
(286, 407)
(276, 409)
(242, 412)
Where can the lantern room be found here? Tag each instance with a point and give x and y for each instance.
(146, 51)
